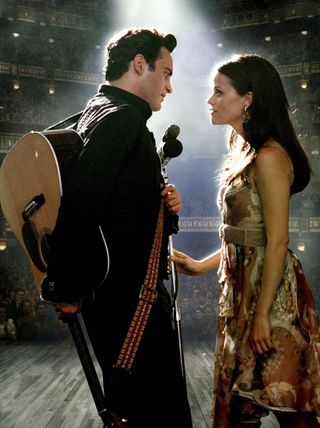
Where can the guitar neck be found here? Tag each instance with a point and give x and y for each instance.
(109, 419)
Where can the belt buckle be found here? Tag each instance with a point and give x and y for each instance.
(143, 295)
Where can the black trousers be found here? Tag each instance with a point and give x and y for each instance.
(154, 394)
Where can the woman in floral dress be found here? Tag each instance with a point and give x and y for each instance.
(267, 340)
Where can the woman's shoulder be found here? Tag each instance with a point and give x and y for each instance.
(272, 156)
(272, 149)
(272, 143)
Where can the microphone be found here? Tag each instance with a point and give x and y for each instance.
(171, 132)
(171, 147)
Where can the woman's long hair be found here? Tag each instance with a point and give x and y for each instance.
(269, 117)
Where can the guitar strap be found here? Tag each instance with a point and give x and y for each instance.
(147, 297)
(68, 123)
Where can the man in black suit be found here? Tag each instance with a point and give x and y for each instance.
(114, 193)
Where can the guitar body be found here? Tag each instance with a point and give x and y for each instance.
(36, 165)
(32, 178)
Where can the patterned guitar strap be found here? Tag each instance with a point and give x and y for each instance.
(147, 297)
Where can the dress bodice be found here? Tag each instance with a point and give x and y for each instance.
(241, 207)
(241, 212)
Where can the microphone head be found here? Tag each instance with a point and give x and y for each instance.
(172, 132)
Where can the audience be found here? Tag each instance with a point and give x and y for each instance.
(8, 333)
(24, 317)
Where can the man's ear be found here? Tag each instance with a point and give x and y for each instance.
(139, 64)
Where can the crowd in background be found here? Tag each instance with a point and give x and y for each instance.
(32, 104)
(24, 317)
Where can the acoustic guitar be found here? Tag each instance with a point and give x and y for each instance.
(32, 178)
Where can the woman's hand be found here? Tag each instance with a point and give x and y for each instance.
(260, 334)
(186, 264)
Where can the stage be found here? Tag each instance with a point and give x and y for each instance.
(43, 386)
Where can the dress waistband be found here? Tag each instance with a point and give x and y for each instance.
(248, 238)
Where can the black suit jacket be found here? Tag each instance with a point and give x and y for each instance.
(115, 184)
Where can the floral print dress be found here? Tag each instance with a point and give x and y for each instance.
(288, 378)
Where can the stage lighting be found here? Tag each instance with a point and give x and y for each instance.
(304, 84)
(51, 89)
(301, 246)
(16, 85)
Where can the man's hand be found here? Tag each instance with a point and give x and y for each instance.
(66, 310)
(172, 198)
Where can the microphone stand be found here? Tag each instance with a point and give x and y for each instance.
(175, 309)
(176, 315)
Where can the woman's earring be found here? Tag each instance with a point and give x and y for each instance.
(246, 119)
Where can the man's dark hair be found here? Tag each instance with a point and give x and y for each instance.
(124, 46)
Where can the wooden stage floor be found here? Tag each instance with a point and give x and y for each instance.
(43, 386)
